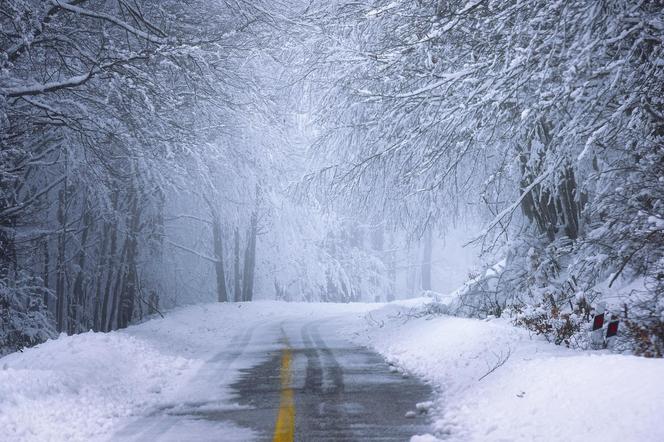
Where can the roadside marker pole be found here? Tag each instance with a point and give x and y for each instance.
(612, 331)
(596, 338)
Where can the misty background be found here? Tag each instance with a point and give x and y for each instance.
(156, 154)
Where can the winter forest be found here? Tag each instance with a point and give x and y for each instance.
(506, 157)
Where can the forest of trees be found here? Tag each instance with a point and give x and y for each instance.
(160, 153)
(145, 146)
(108, 109)
(544, 119)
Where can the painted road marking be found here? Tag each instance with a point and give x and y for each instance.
(284, 430)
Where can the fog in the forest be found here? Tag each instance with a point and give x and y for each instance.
(158, 154)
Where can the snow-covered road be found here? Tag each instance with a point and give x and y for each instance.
(290, 379)
(242, 372)
(212, 372)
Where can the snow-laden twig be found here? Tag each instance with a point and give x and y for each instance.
(512, 207)
(500, 361)
(107, 17)
(192, 251)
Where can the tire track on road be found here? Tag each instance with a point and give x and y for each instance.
(322, 415)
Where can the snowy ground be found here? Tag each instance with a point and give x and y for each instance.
(88, 387)
(91, 386)
(541, 392)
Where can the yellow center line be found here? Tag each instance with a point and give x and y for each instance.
(284, 430)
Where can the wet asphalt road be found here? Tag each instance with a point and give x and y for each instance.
(341, 392)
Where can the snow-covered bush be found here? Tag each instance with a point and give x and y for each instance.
(24, 319)
(629, 238)
(433, 308)
(552, 281)
(569, 328)
(644, 316)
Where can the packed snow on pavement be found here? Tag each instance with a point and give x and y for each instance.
(492, 381)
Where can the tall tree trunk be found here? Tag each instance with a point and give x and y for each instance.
(549, 209)
(7, 245)
(222, 293)
(426, 259)
(46, 270)
(105, 320)
(102, 262)
(117, 288)
(130, 285)
(78, 306)
(127, 293)
(61, 302)
(392, 269)
(250, 260)
(237, 276)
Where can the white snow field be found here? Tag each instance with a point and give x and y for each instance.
(542, 392)
(95, 387)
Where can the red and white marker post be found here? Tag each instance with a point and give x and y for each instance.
(612, 331)
(597, 335)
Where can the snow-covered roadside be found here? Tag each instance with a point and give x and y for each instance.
(74, 388)
(541, 392)
(86, 387)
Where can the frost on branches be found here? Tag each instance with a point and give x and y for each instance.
(545, 119)
(24, 320)
(159, 153)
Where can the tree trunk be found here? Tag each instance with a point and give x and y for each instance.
(117, 289)
(550, 209)
(391, 261)
(78, 308)
(7, 246)
(46, 269)
(250, 260)
(104, 320)
(60, 303)
(222, 293)
(426, 259)
(130, 282)
(237, 276)
(102, 262)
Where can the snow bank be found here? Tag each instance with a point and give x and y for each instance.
(492, 381)
(540, 392)
(86, 387)
(75, 388)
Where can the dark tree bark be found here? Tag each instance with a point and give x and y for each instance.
(6, 248)
(105, 320)
(102, 262)
(130, 283)
(550, 209)
(117, 288)
(46, 270)
(60, 303)
(77, 307)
